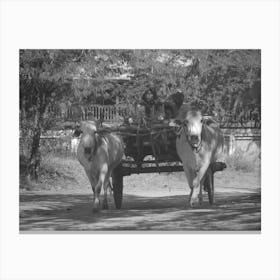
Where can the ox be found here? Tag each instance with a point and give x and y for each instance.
(198, 144)
(99, 153)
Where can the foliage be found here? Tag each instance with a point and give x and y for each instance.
(212, 79)
(43, 81)
(53, 80)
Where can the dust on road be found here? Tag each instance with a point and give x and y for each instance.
(151, 202)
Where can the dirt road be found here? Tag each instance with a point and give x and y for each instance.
(151, 203)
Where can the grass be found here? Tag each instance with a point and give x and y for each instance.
(56, 172)
(242, 161)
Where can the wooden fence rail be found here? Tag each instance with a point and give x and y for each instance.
(109, 113)
(249, 117)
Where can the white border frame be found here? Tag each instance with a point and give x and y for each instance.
(153, 24)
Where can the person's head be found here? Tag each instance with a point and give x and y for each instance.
(178, 98)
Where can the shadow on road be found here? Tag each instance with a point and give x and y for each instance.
(49, 212)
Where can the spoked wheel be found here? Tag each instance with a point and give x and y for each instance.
(209, 185)
(117, 180)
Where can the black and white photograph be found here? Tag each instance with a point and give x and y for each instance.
(140, 140)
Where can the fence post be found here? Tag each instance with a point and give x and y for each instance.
(231, 148)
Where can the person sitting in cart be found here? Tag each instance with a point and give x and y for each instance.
(149, 99)
(172, 106)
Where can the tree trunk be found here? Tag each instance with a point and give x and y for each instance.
(35, 154)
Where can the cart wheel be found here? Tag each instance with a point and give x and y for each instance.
(117, 180)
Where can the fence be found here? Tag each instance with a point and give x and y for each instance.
(105, 112)
(246, 140)
(248, 116)
(109, 113)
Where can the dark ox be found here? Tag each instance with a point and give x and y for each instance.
(199, 143)
(99, 153)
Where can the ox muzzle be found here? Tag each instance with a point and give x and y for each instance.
(88, 150)
(194, 140)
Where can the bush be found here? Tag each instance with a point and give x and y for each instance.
(242, 161)
(55, 173)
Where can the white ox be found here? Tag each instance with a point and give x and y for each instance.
(99, 153)
(199, 143)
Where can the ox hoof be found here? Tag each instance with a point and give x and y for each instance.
(194, 201)
(200, 199)
(105, 205)
(96, 206)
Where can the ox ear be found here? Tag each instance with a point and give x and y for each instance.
(175, 123)
(205, 119)
(208, 120)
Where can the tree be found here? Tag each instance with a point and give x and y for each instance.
(43, 81)
(52, 80)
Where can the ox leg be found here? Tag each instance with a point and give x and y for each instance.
(97, 190)
(200, 196)
(107, 185)
(105, 202)
(190, 174)
(100, 184)
(96, 198)
(93, 183)
(197, 184)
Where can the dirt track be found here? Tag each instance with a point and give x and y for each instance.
(151, 202)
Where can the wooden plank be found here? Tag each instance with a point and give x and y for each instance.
(160, 169)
